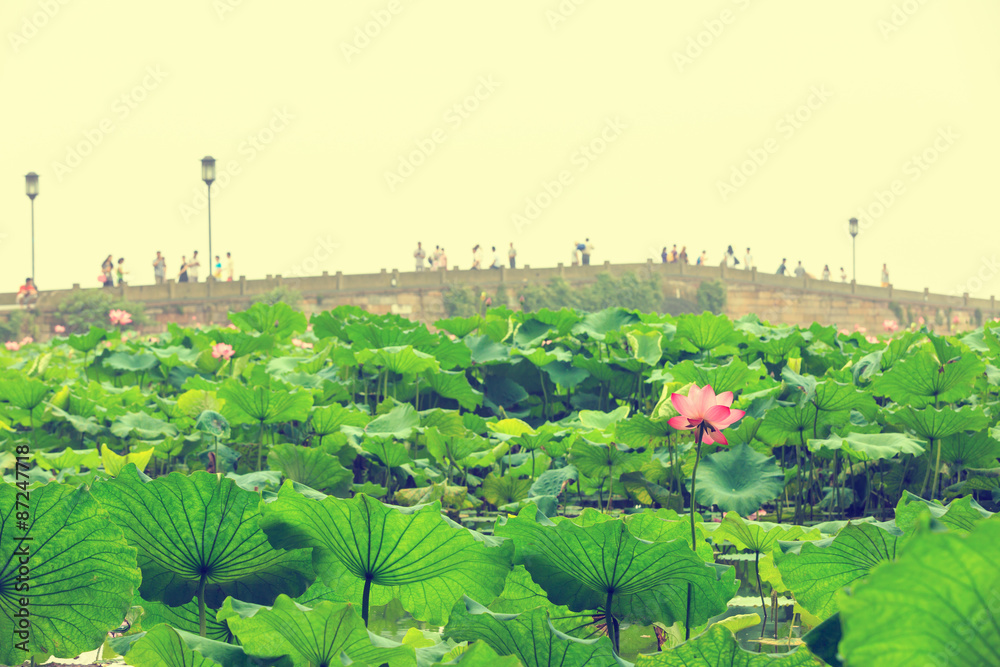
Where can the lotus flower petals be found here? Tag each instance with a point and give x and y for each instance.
(700, 408)
(223, 351)
(120, 317)
(683, 404)
(59, 329)
(12, 345)
(680, 423)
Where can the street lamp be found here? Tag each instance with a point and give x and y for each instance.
(853, 226)
(208, 175)
(31, 189)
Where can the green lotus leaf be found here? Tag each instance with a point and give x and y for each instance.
(792, 425)
(88, 425)
(603, 420)
(389, 331)
(961, 514)
(665, 526)
(68, 458)
(759, 536)
(413, 554)
(504, 490)
(24, 393)
(646, 346)
(920, 379)
(401, 359)
(833, 396)
(602, 461)
(936, 605)
(390, 453)
(528, 636)
(165, 646)
(82, 574)
(510, 427)
(262, 404)
(583, 567)
(539, 357)
(279, 320)
(718, 647)
(504, 391)
(977, 450)
(242, 343)
(639, 431)
(869, 446)
(186, 617)
(732, 376)
(598, 325)
(196, 401)
(459, 326)
(213, 424)
(706, 332)
(142, 426)
(551, 482)
(88, 341)
(485, 352)
(136, 363)
(739, 480)
(201, 525)
(318, 635)
(397, 423)
(454, 385)
(931, 423)
(816, 571)
(312, 467)
(328, 419)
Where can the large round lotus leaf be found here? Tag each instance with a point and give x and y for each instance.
(578, 566)
(164, 646)
(920, 379)
(320, 635)
(529, 636)
(82, 574)
(413, 554)
(739, 480)
(936, 605)
(203, 524)
(815, 571)
(312, 467)
(718, 647)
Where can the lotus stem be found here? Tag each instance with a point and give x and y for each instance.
(611, 622)
(365, 596)
(937, 470)
(201, 606)
(760, 591)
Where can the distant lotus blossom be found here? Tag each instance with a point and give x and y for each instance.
(59, 328)
(120, 317)
(296, 342)
(489, 301)
(232, 326)
(871, 339)
(154, 339)
(223, 351)
(701, 405)
(920, 320)
(124, 338)
(309, 327)
(306, 346)
(859, 328)
(890, 325)
(12, 345)
(954, 320)
(845, 332)
(27, 340)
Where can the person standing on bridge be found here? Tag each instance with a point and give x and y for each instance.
(800, 271)
(182, 275)
(588, 250)
(826, 272)
(885, 276)
(419, 255)
(192, 267)
(843, 275)
(121, 271)
(747, 261)
(702, 258)
(159, 268)
(512, 256)
(229, 267)
(106, 271)
(683, 257)
(782, 270)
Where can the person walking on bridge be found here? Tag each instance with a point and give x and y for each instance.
(159, 268)
(512, 256)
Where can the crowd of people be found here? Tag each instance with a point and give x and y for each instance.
(114, 273)
(438, 259)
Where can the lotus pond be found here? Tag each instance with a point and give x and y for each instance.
(550, 488)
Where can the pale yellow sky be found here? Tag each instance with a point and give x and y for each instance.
(639, 124)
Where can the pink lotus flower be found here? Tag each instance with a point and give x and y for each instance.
(920, 320)
(489, 301)
(890, 325)
(59, 328)
(845, 332)
(306, 346)
(124, 338)
(232, 326)
(702, 409)
(309, 327)
(154, 339)
(12, 345)
(223, 351)
(954, 320)
(753, 517)
(120, 317)
(27, 340)
(296, 342)
(871, 339)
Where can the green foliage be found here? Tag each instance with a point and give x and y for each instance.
(281, 294)
(461, 301)
(17, 325)
(80, 310)
(712, 296)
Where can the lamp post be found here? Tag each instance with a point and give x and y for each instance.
(31, 189)
(208, 175)
(853, 227)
